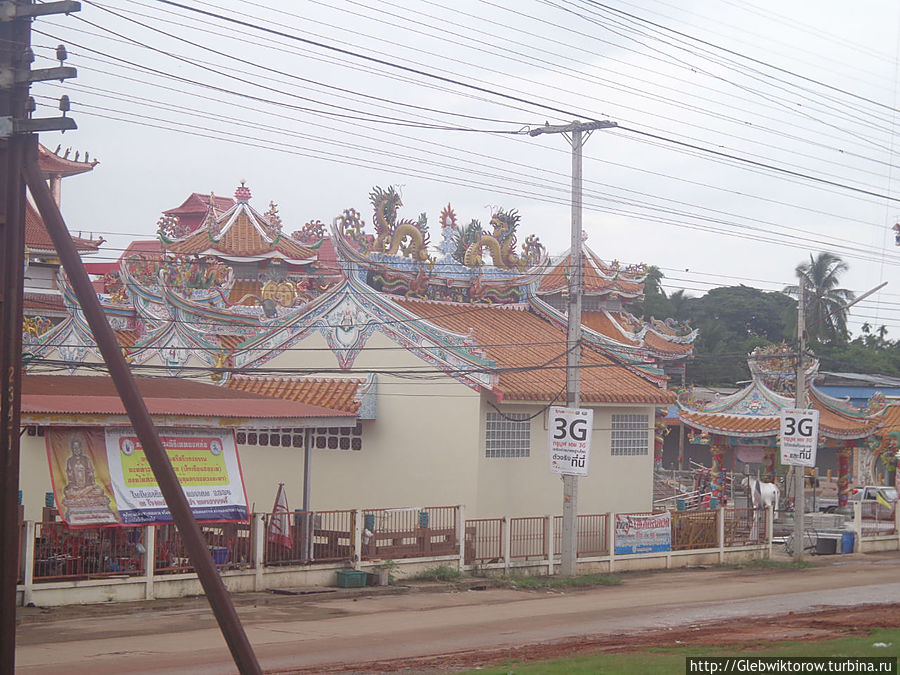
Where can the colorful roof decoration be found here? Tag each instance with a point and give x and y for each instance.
(51, 164)
(396, 258)
(754, 411)
(193, 211)
(238, 234)
(598, 277)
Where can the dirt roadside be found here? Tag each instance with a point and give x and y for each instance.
(416, 628)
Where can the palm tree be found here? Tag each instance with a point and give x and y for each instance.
(826, 304)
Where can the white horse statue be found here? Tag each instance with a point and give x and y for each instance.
(763, 494)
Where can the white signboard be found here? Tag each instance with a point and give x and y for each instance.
(799, 436)
(569, 431)
(643, 533)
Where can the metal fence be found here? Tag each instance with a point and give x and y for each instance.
(61, 553)
(694, 529)
(592, 535)
(321, 536)
(484, 541)
(391, 534)
(230, 545)
(527, 538)
(746, 526)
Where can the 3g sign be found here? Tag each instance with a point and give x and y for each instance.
(799, 436)
(569, 439)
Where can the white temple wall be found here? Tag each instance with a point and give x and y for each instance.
(525, 485)
(34, 474)
(421, 450)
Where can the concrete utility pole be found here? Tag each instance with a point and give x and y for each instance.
(800, 403)
(573, 133)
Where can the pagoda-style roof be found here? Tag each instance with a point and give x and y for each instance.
(193, 211)
(38, 241)
(51, 164)
(598, 277)
(754, 412)
(664, 341)
(240, 234)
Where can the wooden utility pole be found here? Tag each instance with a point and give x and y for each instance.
(574, 134)
(18, 166)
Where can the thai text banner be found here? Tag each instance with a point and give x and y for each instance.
(643, 533)
(205, 461)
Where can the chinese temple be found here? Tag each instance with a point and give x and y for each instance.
(747, 423)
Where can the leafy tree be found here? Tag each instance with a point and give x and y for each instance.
(826, 303)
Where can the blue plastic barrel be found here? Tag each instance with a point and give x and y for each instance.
(680, 504)
(848, 539)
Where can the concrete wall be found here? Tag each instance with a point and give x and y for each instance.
(526, 487)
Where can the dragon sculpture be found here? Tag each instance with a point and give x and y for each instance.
(408, 237)
(311, 234)
(471, 241)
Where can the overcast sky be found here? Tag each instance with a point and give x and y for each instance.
(425, 94)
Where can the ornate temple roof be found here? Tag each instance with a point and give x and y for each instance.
(514, 337)
(239, 234)
(51, 164)
(37, 239)
(754, 411)
(192, 212)
(598, 277)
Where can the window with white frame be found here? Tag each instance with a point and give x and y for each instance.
(630, 435)
(507, 435)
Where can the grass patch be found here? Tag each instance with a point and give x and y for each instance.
(439, 573)
(584, 581)
(765, 564)
(663, 661)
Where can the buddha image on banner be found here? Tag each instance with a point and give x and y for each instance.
(102, 477)
(80, 476)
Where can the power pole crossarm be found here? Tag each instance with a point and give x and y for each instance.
(574, 126)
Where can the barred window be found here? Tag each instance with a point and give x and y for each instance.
(337, 438)
(508, 435)
(630, 435)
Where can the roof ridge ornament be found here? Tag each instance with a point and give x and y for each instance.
(242, 194)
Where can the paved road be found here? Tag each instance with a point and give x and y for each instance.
(316, 630)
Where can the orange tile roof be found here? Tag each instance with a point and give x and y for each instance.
(593, 283)
(335, 393)
(516, 338)
(96, 395)
(660, 344)
(38, 239)
(52, 164)
(603, 324)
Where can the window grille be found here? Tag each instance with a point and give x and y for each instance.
(330, 438)
(630, 435)
(507, 435)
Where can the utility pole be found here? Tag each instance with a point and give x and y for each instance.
(15, 124)
(18, 167)
(576, 134)
(800, 403)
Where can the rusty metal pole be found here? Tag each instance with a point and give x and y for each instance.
(199, 554)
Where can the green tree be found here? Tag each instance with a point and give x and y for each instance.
(826, 303)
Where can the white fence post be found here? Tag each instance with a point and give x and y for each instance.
(149, 560)
(611, 539)
(720, 531)
(28, 573)
(506, 543)
(258, 523)
(770, 526)
(357, 538)
(548, 542)
(461, 535)
(857, 526)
